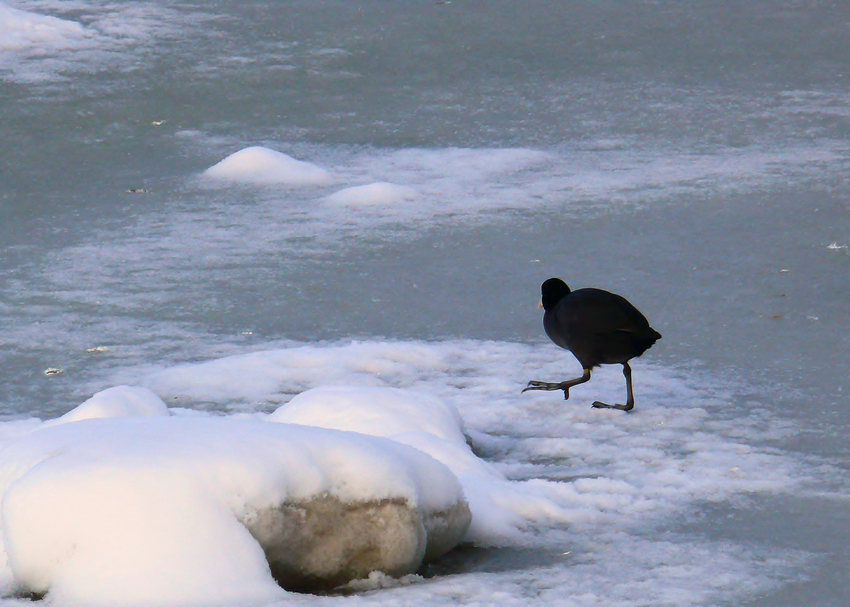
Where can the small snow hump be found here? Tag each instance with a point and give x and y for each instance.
(264, 166)
(373, 194)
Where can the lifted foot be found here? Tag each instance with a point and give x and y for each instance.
(562, 385)
(545, 385)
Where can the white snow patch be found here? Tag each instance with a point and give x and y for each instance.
(41, 48)
(259, 165)
(381, 193)
(23, 30)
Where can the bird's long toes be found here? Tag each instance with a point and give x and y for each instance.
(538, 385)
(601, 405)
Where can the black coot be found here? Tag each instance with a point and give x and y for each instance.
(599, 328)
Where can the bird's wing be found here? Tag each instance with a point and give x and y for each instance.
(608, 315)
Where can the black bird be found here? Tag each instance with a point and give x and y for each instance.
(599, 328)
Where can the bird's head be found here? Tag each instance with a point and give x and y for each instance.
(553, 290)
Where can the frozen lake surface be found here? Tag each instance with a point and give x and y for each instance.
(232, 203)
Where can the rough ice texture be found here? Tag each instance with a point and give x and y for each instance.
(259, 165)
(180, 510)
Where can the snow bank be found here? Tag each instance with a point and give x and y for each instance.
(259, 165)
(380, 193)
(158, 509)
(673, 454)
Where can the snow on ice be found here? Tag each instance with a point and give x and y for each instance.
(259, 165)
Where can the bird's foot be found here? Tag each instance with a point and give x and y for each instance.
(545, 385)
(601, 405)
(542, 385)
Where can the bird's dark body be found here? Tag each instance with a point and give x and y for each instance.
(598, 327)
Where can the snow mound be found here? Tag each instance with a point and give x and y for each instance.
(427, 423)
(376, 411)
(378, 194)
(120, 401)
(259, 165)
(153, 509)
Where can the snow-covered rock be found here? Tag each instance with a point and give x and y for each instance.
(430, 425)
(171, 509)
